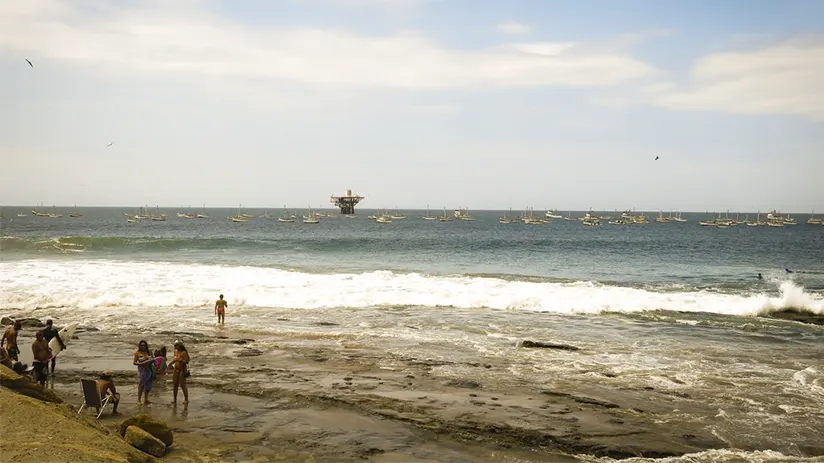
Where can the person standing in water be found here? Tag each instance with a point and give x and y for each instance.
(181, 371)
(145, 369)
(220, 309)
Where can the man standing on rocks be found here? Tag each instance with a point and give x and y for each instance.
(11, 336)
(40, 352)
(49, 333)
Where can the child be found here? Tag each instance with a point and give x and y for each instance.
(160, 361)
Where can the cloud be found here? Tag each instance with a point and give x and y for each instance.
(184, 39)
(780, 79)
(513, 27)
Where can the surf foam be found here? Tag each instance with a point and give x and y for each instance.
(92, 284)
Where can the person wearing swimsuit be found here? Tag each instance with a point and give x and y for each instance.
(220, 309)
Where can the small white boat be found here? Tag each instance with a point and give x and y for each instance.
(312, 218)
(553, 214)
(445, 217)
(429, 215)
(22, 215)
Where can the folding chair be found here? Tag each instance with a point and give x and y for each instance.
(91, 397)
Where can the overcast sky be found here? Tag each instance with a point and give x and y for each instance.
(478, 103)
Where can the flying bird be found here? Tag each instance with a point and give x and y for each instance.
(110, 144)
(656, 158)
(27, 60)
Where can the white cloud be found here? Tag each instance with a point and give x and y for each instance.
(781, 79)
(513, 27)
(182, 39)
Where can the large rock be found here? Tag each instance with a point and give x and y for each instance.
(142, 440)
(26, 386)
(156, 428)
(547, 345)
(26, 322)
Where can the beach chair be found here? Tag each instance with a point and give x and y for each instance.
(91, 397)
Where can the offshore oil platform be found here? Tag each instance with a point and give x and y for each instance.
(347, 202)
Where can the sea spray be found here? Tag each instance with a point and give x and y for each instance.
(102, 284)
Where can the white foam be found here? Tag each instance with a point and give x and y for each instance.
(98, 284)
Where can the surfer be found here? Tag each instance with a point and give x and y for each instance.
(40, 352)
(145, 369)
(50, 332)
(181, 371)
(788, 270)
(11, 336)
(220, 309)
(105, 385)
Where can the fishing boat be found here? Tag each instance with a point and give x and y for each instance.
(528, 217)
(591, 219)
(132, 220)
(429, 215)
(463, 214)
(54, 214)
(569, 216)
(553, 214)
(286, 217)
(157, 216)
(385, 217)
(74, 212)
(312, 218)
(505, 218)
(678, 218)
(812, 220)
(661, 217)
(22, 215)
(397, 216)
(238, 217)
(445, 217)
(265, 215)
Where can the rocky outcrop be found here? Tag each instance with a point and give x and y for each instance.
(26, 322)
(36, 431)
(156, 428)
(25, 386)
(547, 345)
(144, 441)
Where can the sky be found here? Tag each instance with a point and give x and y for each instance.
(485, 104)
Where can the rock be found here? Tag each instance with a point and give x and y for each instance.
(464, 384)
(31, 323)
(250, 353)
(142, 440)
(25, 386)
(326, 324)
(547, 345)
(156, 428)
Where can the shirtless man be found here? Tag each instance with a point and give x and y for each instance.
(11, 336)
(105, 386)
(40, 352)
(220, 309)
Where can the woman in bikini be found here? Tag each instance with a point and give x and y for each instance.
(181, 371)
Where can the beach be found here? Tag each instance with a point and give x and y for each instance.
(316, 397)
(469, 342)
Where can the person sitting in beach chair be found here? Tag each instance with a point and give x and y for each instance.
(100, 393)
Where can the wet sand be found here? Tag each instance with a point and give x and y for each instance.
(329, 399)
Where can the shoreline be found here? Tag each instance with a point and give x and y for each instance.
(337, 399)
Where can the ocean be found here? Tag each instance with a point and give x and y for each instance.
(672, 305)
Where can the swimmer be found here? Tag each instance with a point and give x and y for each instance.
(220, 309)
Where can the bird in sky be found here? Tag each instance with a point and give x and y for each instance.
(110, 144)
(27, 60)
(656, 158)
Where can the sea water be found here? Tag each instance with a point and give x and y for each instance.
(673, 305)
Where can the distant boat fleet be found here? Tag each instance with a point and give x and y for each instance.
(527, 216)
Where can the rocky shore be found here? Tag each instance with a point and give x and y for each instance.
(314, 398)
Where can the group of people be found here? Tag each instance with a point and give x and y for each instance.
(153, 364)
(42, 353)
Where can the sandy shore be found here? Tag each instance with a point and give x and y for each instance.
(316, 398)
